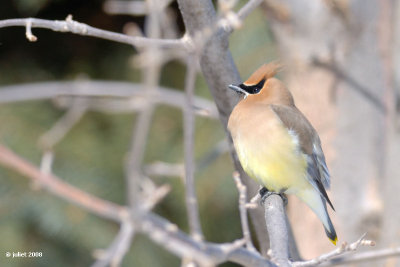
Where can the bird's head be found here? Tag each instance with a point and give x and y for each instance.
(257, 81)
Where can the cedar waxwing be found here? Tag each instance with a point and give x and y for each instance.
(277, 146)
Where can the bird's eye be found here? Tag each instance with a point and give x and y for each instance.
(253, 89)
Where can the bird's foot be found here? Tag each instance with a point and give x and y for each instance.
(265, 193)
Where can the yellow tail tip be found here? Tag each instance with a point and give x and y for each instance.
(334, 240)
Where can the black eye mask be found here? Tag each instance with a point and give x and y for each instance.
(253, 89)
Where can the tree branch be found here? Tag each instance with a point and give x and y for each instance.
(150, 75)
(277, 230)
(56, 186)
(136, 8)
(189, 135)
(243, 211)
(167, 234)
(119, 247)
(69, 25)
(122, 90)
(73, 115)
(363, 256)
(161, 231)
(219, 71)
(248, 8)
(344, 248)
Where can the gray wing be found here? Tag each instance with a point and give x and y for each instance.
(310, 145)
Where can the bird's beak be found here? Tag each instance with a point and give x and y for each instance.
(237, 89)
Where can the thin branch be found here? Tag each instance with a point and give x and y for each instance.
(166, 234)
(364, 256)
(47, 162)
(56, 186)
(177, 242)
(365, 92)
(123, 90)
(171, 238)
(156, 196)
(28, 32)
(160, 230)
(151, 74)
(119, 247)
(254, 201)
(192, 208)
(231, 20)
(74, 114)
(69, 25)
(164, 169)
(277, 230)
(243, 211)
(248, 8)
(135, 8)
(136, 154)
(344, 248)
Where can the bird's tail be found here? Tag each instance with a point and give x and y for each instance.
(318, 204)
(330, 230)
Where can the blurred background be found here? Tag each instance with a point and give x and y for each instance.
(341, 63)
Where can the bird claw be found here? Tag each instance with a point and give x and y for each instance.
(265, 193)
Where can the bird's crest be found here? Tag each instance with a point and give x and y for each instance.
(266, 71)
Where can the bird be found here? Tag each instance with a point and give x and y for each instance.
(277, 146)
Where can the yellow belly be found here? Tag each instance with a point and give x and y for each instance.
(274, 161)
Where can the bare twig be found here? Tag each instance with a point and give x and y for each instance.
(339, 251)
(136, 153)
(156, 196)
(46, 166)
(75, 27)
(56, 186)
(151, 73)
(152, 194)
(188, 125)
(248, 8)
(164, 233)
(136, 8)
(48, 140)
(47, 162)
(355, 85)
(164, 169)
(363, 256)
(121, 90)
(243, 211)
(119, 247)
(255, 200)
(28, 32)
(170, 237)
(231, 20)
(160, 230)
(181, 243)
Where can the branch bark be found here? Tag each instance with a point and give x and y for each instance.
(278, 233)
(120, 90)
(56, 186)
(160, 230)
(69, 25)
(192, 208)
(219, 71)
